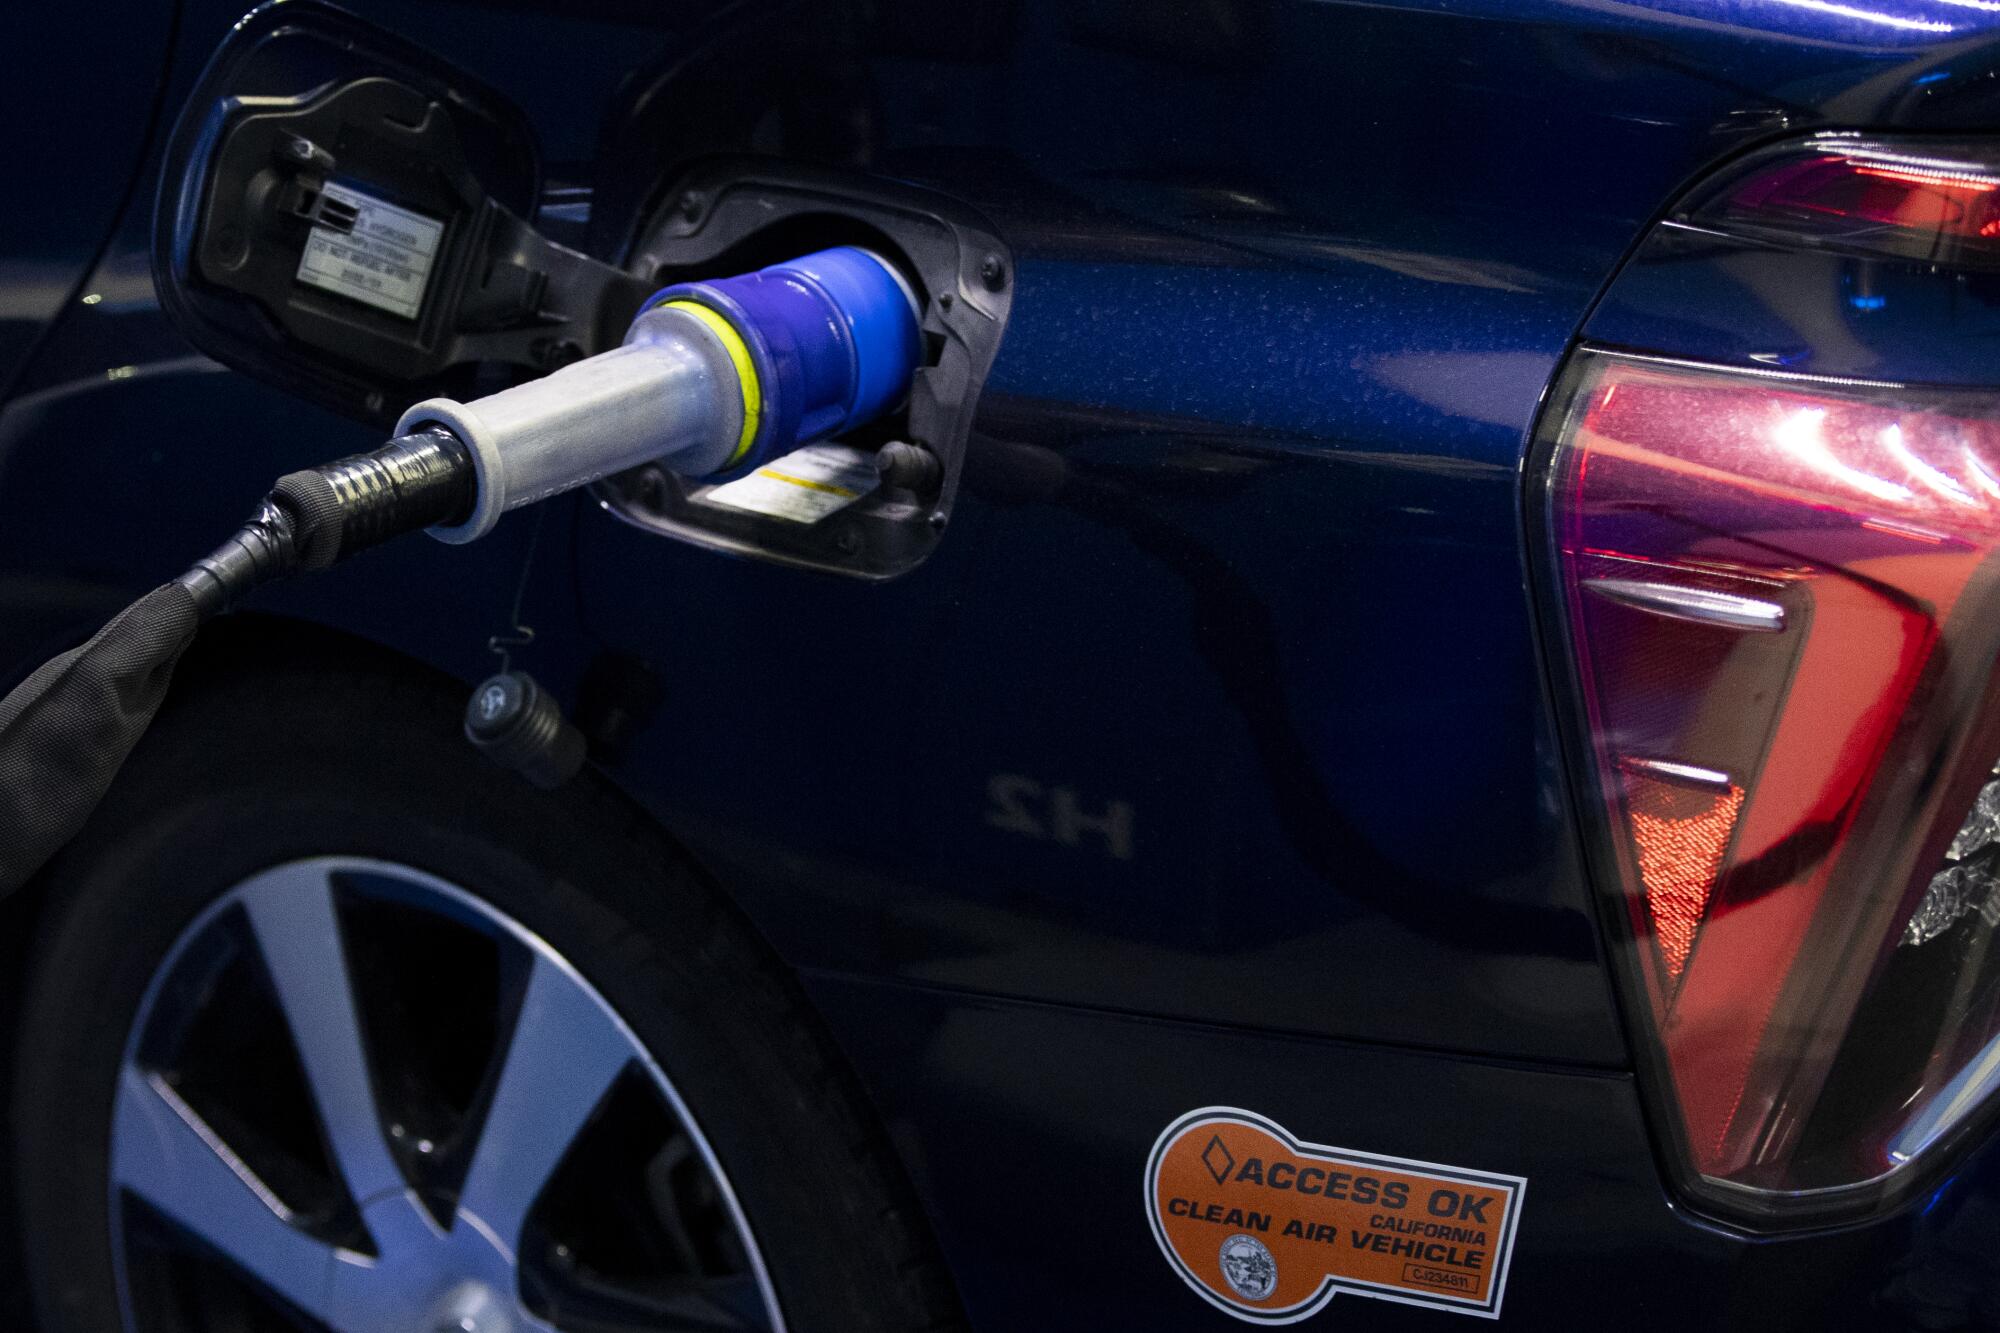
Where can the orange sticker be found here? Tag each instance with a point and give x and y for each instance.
(1270, 1229)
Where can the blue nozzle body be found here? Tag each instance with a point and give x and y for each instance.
(832, 337)
(714, 379)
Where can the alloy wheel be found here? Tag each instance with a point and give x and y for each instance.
(357, 1097)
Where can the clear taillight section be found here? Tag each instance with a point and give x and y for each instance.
(1783, 607)
(1931, 200)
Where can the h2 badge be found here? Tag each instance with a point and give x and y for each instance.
(1270, 1228)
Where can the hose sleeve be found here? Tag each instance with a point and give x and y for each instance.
(65, 731)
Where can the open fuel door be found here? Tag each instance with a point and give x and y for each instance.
(344, 215)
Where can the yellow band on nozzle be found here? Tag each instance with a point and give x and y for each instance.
(746, 371)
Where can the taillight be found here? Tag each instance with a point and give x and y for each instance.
(1782, 605)
(1932, 200)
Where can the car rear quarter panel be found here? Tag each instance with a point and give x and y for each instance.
(1209, 761)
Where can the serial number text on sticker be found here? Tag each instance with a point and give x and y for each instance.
(1270, 1228)
(384, 260)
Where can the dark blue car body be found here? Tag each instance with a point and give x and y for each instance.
(1213, 758)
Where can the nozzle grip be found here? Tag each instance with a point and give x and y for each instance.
(676, 394)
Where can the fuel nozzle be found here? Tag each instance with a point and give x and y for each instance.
(714, 379)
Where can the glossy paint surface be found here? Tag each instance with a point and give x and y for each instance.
(1218, 715)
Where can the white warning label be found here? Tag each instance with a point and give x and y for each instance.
(804, 486)
(385, 261)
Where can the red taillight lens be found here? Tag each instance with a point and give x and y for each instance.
(1783, 604)
(1937, 201)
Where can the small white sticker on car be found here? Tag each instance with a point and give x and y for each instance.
(384, 261)
(804, 486)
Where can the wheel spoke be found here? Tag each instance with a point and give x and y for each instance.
(164, 1153)
(563, 1055)
(292, 915)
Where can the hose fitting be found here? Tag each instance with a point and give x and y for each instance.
(320, 515)
(260, 551)
(413, 481)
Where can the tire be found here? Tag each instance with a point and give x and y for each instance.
(306, 756)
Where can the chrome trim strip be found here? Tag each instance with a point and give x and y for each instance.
(1691, 774)
(1720, 368)
(1702, 605)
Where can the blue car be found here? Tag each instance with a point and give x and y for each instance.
(1392, 717)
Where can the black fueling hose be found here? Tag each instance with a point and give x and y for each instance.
(66, 730)
(695, 386)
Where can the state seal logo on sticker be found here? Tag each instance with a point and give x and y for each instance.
(1248, 1267)
(1270, 1228)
